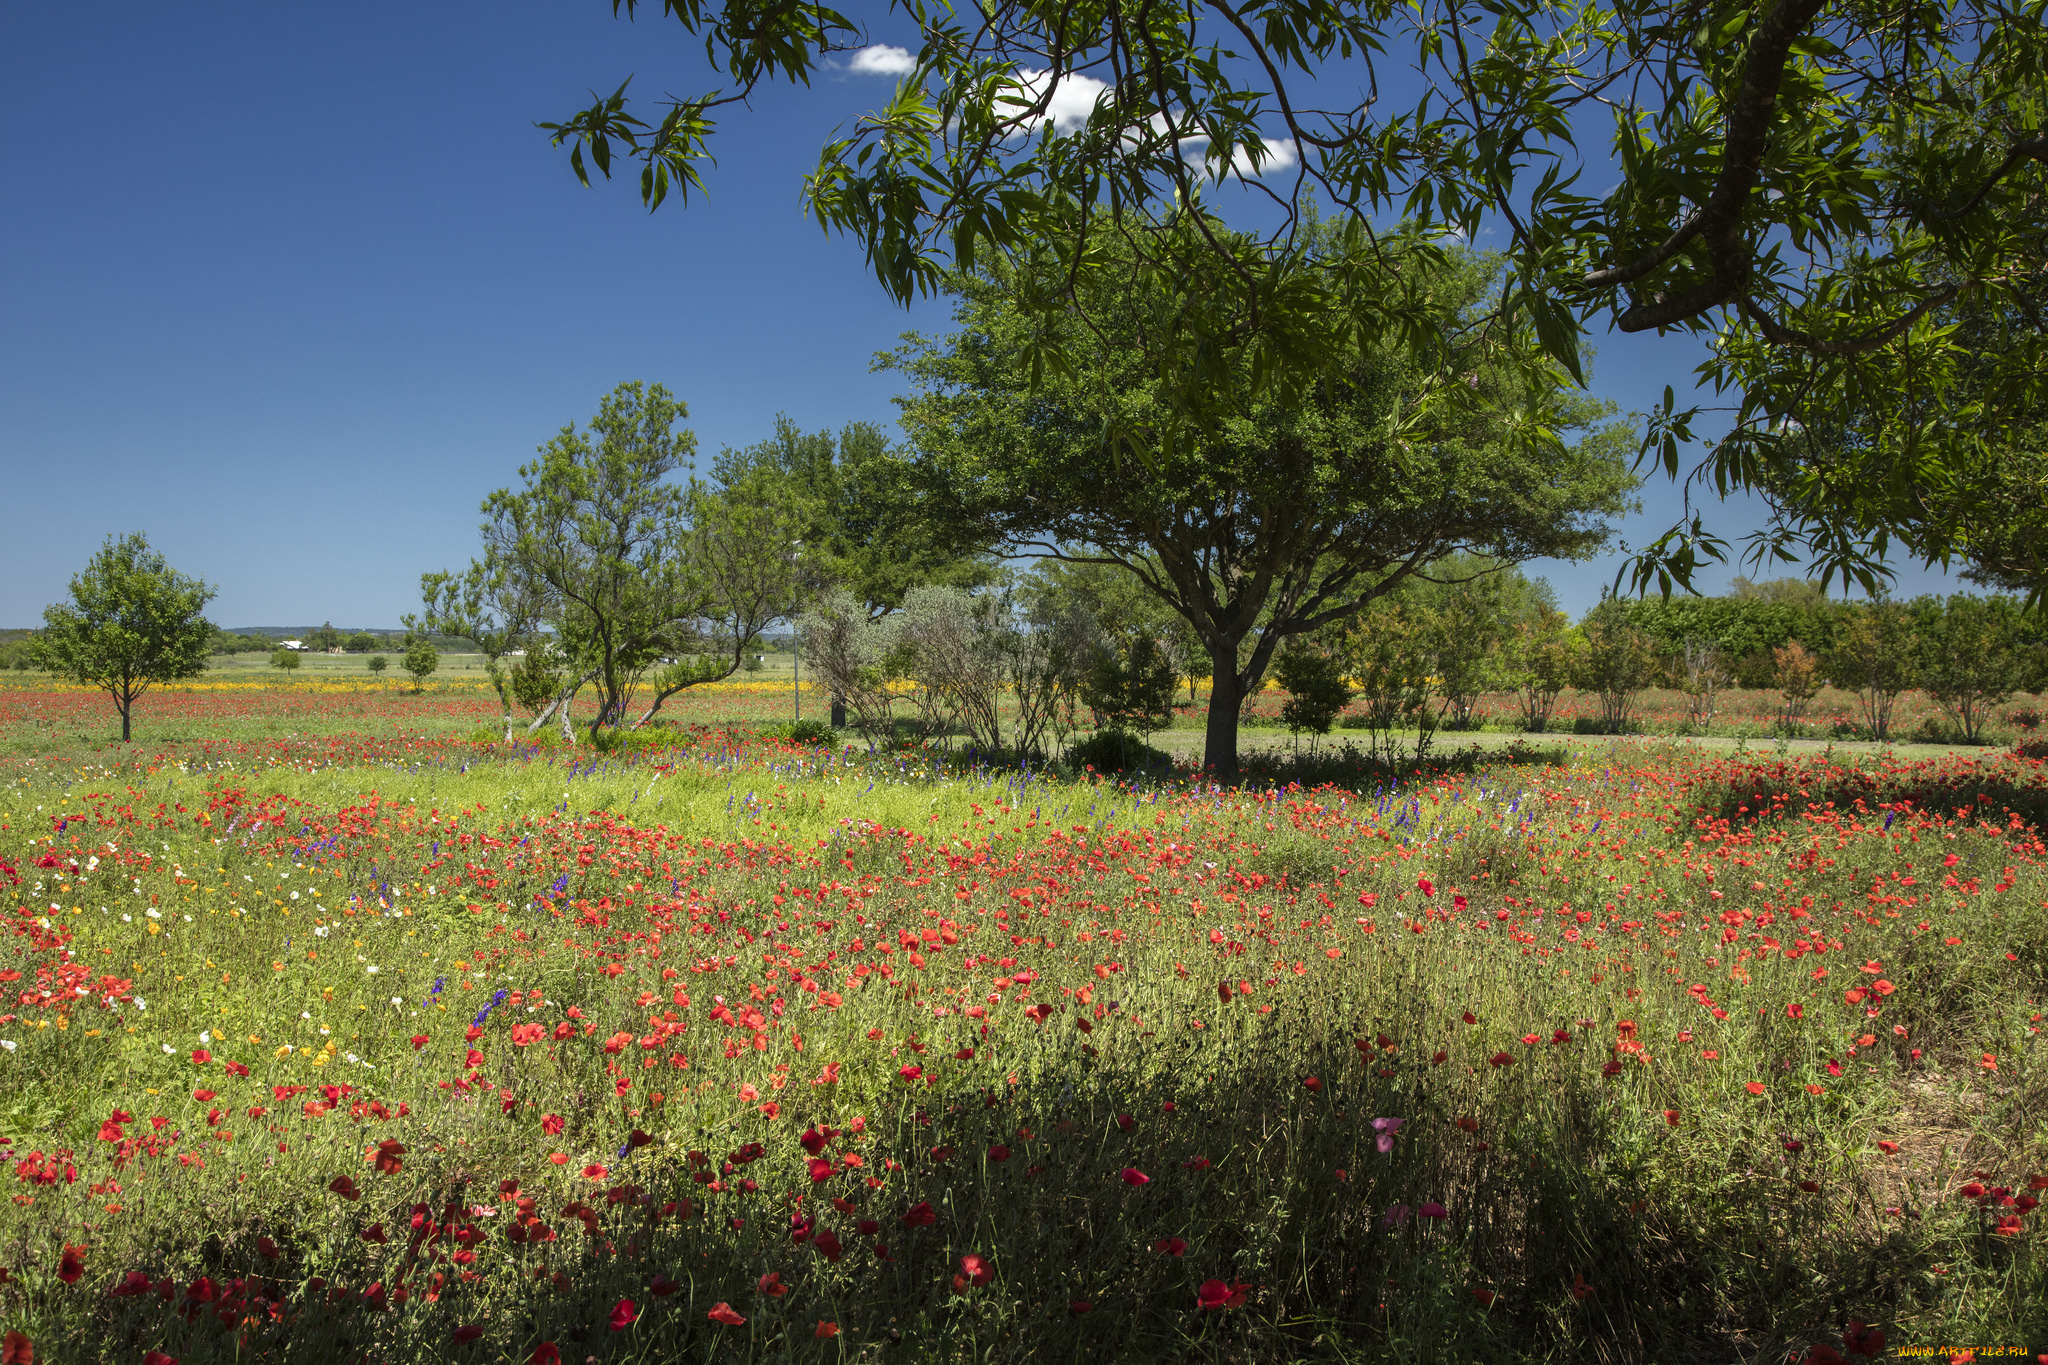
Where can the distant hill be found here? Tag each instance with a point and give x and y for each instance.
(296, 632)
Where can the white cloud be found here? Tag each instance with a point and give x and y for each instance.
(1281, 155)
(883, 60)
(1073, 98)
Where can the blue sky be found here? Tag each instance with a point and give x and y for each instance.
(290, 287)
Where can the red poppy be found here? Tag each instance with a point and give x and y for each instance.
(920, 1216)
(825, 1331)
(551, 1124)
(1754, 1087)
(1501, 1059)
(1172, 1246)
(1864, 1341)
(594, 1171)
(1671, 1117)
(622, 1315)
(771, 1284)
(159, 1358)
(1215, 1294)
(388, 1152)
(661, 1286)
(827, 1243)
(977, 1268)
(820, 1169)
(1313, 1083)
(266, 1248)
(1133, 1176)
(133, 1283)
(419, 1040)
(16, 1349)
(373, 1233)
(464, 1335)
(71, 1266)
(200, 1056)
(345, 1187)
(1425, 886)
(998, 1152)
(722, 1312)
(545, 1354)
(1485, 1297)
(1078, 1306)
(1580, 1289)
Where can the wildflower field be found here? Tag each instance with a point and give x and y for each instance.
(347, 1037)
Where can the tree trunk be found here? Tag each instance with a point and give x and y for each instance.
(1219, 745)
(126, 704)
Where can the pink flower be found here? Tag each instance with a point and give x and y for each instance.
(1395, 1216)
(1433, 1210)
(1133, 1176)
(1386, 1128)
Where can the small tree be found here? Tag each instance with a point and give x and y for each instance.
(421, 659)
(1389, 650)
(845, 651)
(1874, 658)
(1541, 661)
(1969, 662)
(1130, 691)
(377, 663)
(1798, 676)
(133, 622)
(1618, 663)
(1706, 673)
(286, 659)
(1317, 690)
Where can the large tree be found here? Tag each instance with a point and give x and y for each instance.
(1266, 512)
(1807, 183)
(133, 622)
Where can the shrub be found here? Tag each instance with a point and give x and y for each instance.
(1118, 751)
(811, 732)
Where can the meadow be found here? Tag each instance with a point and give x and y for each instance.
(336, 1032)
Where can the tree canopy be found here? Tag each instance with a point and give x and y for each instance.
(835, 482)
(132, 622)
(1817, 188)
(1274, 516)
(631, 572)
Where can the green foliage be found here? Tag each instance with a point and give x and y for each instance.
(1903, 163)
(420, 660)
(635, 576)
(1294, 512)
(1542, 658)
(376, 663)
(1117, 751)
(1744, 627)
(852, 527)
(286, 659)
(1130, 689)
(1389, 651)
(1969, 657)
(1617, 663)
(362, 642)
(1874, 657)
(132, 622)
(1317, 690)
